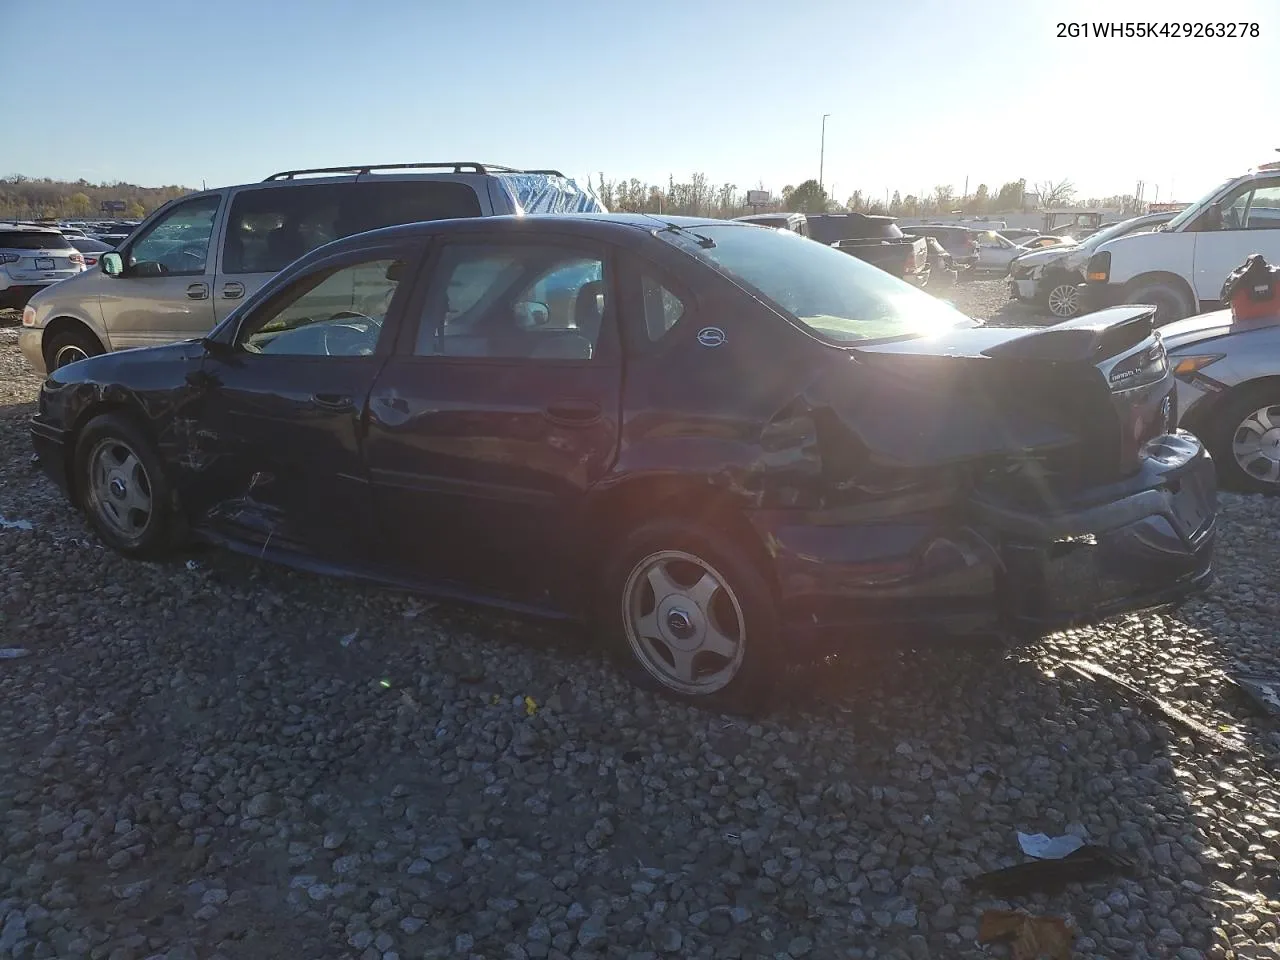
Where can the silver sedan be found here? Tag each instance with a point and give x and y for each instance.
(1229, 393)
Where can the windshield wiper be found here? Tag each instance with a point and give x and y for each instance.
(705, 242)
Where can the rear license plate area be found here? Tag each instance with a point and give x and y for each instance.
(46, 263)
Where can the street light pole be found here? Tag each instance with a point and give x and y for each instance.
(822, 151)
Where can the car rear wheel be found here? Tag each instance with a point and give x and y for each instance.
(1244, 438)
(1063, 299)
(1170, 302)
(68, 346)
(694, 613)
(123, 489)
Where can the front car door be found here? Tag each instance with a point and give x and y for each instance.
(283, 408)
(496, 414)
(164, 292)
(1250, 224)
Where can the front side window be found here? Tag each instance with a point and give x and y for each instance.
(838, 297)
(337, 312)
(177, 243)
(514, 302)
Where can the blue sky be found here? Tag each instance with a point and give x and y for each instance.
(921, 93)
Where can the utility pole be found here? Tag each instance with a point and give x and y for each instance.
(822, 150)
(966, 187)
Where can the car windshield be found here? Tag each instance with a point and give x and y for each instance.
(836, 296)
(1194, 210)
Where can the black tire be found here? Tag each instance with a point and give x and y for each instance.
(750, 599)
(1171, 303)
(112, 512)
(1222, 428)
(70, 345)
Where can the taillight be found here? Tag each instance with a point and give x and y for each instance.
(90, 261)
(1099, 268)
(28, 316)
(9, 258)
(77, 258)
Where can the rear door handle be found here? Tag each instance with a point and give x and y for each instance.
(233, 290)
(333, 401)
(198, 291)
(574, 411)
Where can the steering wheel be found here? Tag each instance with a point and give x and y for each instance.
(345, 341)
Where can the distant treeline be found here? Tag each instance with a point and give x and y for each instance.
(27, 198)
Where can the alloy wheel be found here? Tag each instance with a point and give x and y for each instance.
(1064, 300)
(1256, 444)
(68, 353)
(684, 623)
(119, 489)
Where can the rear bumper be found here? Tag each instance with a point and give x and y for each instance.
(984, 566)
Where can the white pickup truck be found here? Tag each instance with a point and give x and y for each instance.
(1181, 266)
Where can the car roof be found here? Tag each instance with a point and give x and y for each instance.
(618, 228)
(28, 228)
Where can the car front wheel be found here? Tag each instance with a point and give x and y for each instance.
(1244, 438)
(1063, 299)
(123, 489)
(694, 612)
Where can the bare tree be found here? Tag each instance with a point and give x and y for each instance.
(1055, 194)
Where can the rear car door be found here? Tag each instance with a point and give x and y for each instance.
(283, 408)
(164, 292)
(1250, 224)
(272, 224)
(498, 410)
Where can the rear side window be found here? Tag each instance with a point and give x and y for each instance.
(32, 240)
(662, 308)
(271, 227)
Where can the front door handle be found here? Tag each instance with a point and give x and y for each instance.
(233, 290)
(198, 291)
(574, 411)
(333, 401)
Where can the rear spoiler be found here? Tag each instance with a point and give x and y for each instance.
(1092, 337)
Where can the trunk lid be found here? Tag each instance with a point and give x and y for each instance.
(1054, 410)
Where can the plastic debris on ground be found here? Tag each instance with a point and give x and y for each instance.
(1030, 937)
(530, 706)
(1261, 690)
(1154, 705)
(1043, 847)
(13, 653)
(350, 638)
(7, 524)
(1088, 864)
(192, 565)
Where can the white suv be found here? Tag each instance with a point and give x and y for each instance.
(1180, 267)
(32, 258)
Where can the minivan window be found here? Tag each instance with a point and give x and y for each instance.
(178, 243)
(270, 227)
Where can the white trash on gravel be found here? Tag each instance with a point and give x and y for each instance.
(1044, 847)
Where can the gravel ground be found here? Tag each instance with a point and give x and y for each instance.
(225, 759)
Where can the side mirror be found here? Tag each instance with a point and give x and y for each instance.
(112, 264)
(530, 314)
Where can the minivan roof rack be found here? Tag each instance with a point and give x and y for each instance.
(457, 166)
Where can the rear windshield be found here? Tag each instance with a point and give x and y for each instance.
(32, 240)
(836, 296)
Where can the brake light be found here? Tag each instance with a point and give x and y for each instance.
(90, 261)
(77, 258)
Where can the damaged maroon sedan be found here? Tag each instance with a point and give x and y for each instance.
(721, 443)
